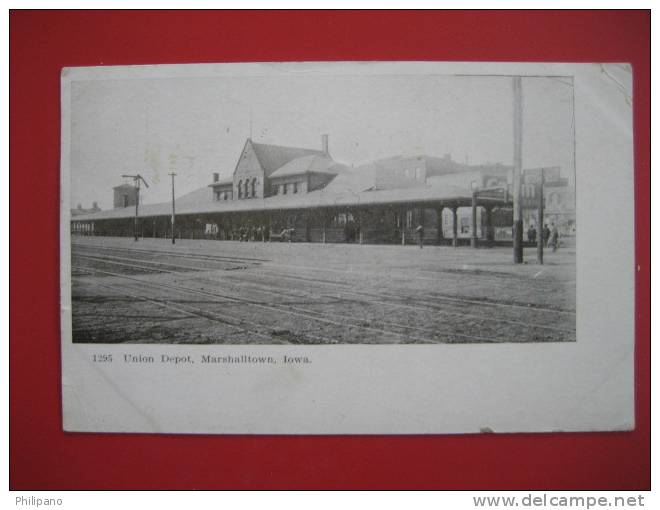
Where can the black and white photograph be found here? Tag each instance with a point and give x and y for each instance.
(392, 247)
(323, 209)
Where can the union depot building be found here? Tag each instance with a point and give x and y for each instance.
(304, 195)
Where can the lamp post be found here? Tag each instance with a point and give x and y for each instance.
(539, 246)
(517, 170)
(136, 179)
(172, 174)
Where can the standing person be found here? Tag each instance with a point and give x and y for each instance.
(530, 233)
(349, 231)
(420, 235)
(554, 238)
(546, 235)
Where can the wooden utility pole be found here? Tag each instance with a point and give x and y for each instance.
(137, 203)
(517, 171)
(539, 246)
(136, 179)
(172, 174)
(473, 237)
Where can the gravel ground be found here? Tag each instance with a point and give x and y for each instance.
(279, 293)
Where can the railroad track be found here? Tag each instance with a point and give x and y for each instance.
(438, 326)
(328, 318)
(439, 296)
(225, 319)
(195, 256)
(125, 261)
(408, 303)
(247, 302)
(492, 278)
(519, 283)
(405, 276)
(187, 310)
(440, 306)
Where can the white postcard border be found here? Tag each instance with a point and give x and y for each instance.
(397, 389)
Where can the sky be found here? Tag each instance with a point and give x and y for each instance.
(198, 126)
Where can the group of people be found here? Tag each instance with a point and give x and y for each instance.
(252, 233)
(550, 236)
(263, 234)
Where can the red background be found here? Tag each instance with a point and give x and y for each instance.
(44, 457)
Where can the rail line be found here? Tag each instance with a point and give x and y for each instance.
(200, 256)
(427, 306)
(278, 309)
(110, 259)
(433, 330)
(319, 316)
(436, 295)
(416, 306)
(391, 274)
(192, 311)
(137, 266)
(407, 277)
(230, 298)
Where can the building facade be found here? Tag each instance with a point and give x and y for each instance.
(298, 194)
(267, 170)
(125, 195)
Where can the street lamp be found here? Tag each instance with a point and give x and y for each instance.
(173, 235)
(136, 179)
(517, 170)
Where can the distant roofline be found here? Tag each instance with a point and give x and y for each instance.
(487, 164)
(304, 172)
(318, 151)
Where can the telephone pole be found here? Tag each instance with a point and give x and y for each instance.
(517, 171)
(539, 246)
(173, 215)
(137, 178)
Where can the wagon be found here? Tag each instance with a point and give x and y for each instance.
(285, 235)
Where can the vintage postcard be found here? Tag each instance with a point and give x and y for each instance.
(351, 247)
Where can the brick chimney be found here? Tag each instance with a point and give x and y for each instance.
(216, 177)
(324, 144)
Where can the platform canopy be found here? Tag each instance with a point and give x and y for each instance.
(420, 196)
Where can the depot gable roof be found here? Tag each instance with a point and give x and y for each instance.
(312, 163)
(272, 157)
